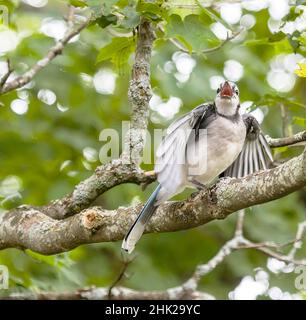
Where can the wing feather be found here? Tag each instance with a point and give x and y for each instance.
(255, 155)
(171, 153)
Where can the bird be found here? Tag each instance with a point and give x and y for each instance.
(213, 140)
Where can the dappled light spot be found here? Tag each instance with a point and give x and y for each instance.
(255, 5)
(62, 108)
(86, 79)
(215, 82)
(166, 109)
(184, 64)
(65, 164)
(10, 188)
(245, 107)
(281, 80)
(23, 94)
(233, 70)
(250, 288)
(231, 12)
(10, 185)
(105, 81)
(19, 106)
(8, 40)
(169, 67)
(220, 31)
(36, 3)
(46, 96)
(248, 21)
(90, 154)
(274, 25)
(278, 8)
(3, 68)
(53, 28)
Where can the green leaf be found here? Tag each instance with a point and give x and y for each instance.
(105, 21)
(118, 51)
(99, 6)
(182, 8)
(193, 31)
(50, 260)
(299, 121)
(78, 3)
(131, 17)
(213, 15)
(153, 11)
(277, 37)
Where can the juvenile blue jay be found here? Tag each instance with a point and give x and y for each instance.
(212, 140)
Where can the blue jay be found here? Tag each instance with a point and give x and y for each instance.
(212, 140)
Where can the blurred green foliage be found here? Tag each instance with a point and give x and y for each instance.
(42, 150)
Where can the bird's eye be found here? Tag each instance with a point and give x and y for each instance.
(218, 90)
(237, 92)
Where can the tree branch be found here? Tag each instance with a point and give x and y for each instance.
(104, 178)
(119, 293)
(139, 94)
(189, 289)
(52, 53)
(126, 168)
(296, 139)
(6, 76)
(27, 227)
(180, 46)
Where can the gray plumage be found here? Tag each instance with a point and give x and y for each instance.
(210, 141)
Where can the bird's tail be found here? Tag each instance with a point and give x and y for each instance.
(139, 224)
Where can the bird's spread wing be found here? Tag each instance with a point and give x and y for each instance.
(170, 156)
(255, 155)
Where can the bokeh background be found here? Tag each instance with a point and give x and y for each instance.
(49, 131)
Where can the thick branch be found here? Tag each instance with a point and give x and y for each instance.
(52, 53)
(139, 94)
(104, 178)
(27, 227)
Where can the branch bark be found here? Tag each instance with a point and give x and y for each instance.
(119, 293)
(27, 227)
(297, 139)
(139, 94)
(104, 178)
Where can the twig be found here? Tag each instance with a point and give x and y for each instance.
(120, 276)
(70, 17)
(52, 53)
(286, 127)
(240, 221)
(6, 76)
(240, 242)
(298, 238)
(180, 46)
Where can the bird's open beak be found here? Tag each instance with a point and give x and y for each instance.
(226, 90)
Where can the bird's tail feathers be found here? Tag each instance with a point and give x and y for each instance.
(138, 227)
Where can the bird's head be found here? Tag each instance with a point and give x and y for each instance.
(227, 98)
